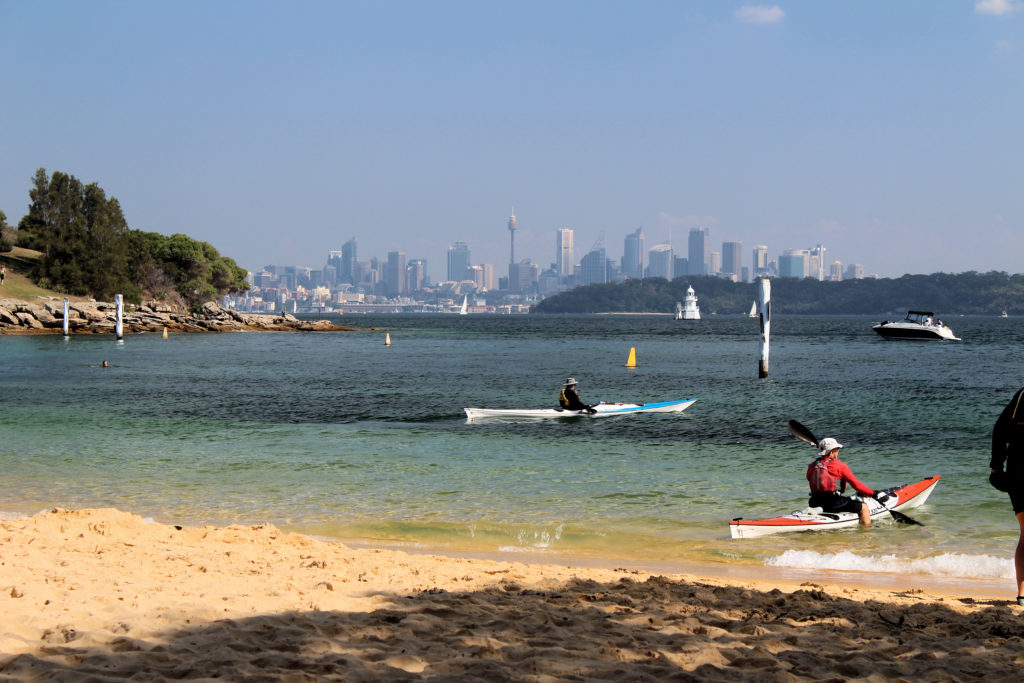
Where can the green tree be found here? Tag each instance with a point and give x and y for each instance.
(81, 234)
(6, 244)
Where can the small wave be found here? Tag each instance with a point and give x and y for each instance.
(11, 516)
(946, 564)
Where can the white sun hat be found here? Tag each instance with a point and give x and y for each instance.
(827, 445)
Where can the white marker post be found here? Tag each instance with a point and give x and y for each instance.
(119, 325)
(65, 316)
(764, 295)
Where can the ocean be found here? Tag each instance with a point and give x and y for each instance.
(340, 436)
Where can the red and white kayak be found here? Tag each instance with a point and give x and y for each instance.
(814, 519)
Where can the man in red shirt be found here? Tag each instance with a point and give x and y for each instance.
(828, 477)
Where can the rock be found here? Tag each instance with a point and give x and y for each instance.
(28, 320)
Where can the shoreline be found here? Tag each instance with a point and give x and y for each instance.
(104, 593)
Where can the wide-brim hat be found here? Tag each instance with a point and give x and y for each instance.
(827, 445)
(570, 382)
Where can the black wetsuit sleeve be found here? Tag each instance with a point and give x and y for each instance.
(1004, 430)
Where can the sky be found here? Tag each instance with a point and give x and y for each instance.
(890, 132)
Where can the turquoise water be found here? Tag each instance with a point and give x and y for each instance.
(338, 435)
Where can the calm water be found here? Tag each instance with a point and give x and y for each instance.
(338, 435)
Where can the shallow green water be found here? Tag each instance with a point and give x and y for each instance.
(336, 434)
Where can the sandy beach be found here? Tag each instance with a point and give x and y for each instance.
(105, 595)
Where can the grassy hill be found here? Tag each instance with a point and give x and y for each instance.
(17, 285)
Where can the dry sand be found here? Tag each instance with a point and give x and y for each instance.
(103, 595)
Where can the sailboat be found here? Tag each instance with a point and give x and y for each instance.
(753, 310)
(465, 300)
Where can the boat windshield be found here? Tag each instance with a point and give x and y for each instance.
(919, 317)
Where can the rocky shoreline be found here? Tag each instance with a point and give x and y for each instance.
(96, 317)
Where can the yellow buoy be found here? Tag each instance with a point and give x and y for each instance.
(165, 333)
(387, 339)
(631, 361)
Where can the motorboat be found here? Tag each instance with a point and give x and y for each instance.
(917, 326)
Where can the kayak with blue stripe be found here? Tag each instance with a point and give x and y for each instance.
(601, 410)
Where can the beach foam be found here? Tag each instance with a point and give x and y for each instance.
(945, 564)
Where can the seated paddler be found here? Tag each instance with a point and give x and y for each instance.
(829, 476)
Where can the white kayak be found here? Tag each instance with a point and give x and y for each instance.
(814, 519)
(603, 410)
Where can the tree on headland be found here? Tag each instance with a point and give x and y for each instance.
(6, 244)
(945, 293)
(88, 249)
(81, 234)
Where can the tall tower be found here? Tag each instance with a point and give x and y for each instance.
(633, 255)
(564, 252)
(512, 225)
(700, 251)
(458, 261)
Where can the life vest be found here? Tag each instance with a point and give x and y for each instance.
(820, 478)
(563, 400)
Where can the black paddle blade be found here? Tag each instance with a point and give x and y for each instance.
(802, 433)
(903, 519)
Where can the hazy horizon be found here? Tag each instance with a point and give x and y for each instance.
(889, 133)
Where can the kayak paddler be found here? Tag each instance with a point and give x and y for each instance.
(828, 477)
(570, 400)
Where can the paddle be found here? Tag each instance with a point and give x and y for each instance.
(807, 436)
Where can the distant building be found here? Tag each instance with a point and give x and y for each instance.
(794, 263)
(760, 266)
(659, 261)
(522, 276)
(680, 266)
(564, 256)
(835, 271)
(394, 274)
(488, 276)
(854, 271)
(732, 259)
(816, 263)
(699, 251)
(714, 263)
(416, 274)
(458, 261)
(633, 255)
(594, 268)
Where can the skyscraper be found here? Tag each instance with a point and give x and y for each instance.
(660, 261)
(564, 257)
(458, 261)
(594, 267)
(760, 263)
(633, 255)
(394, 274)
(347, 267)
(794, 263)
(416, 274)
(700, 251)
(732, 259)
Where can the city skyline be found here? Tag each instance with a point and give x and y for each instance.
(886, 132)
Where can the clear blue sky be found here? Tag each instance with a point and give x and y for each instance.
(890, 132)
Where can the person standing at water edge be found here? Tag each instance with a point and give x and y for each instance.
(1008, 448)
(828, 477)
(3, 273)
(570, 400)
